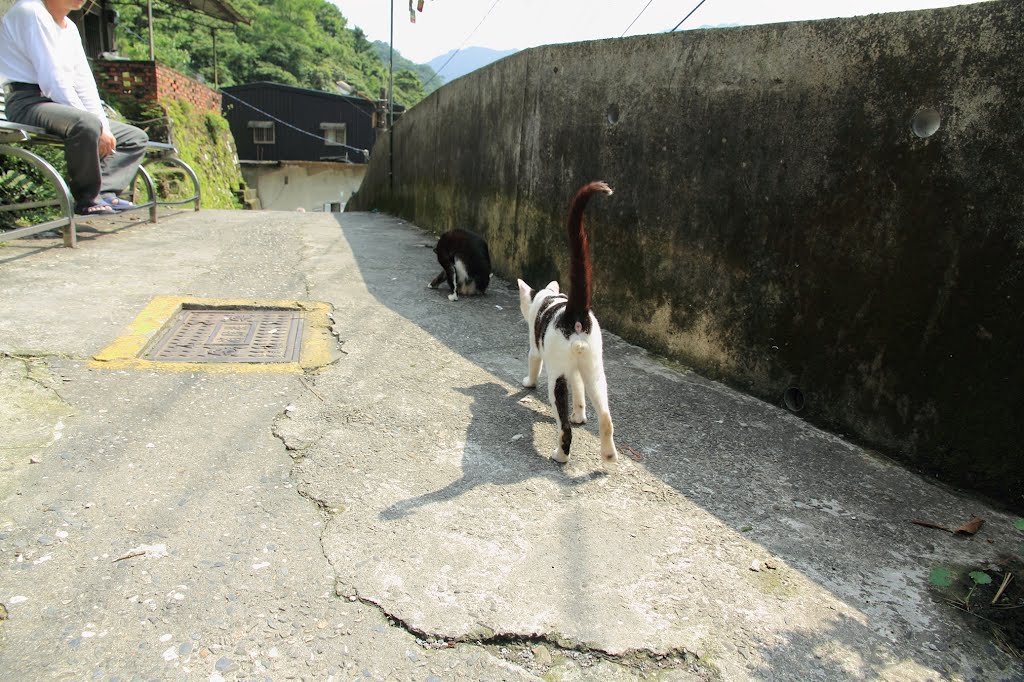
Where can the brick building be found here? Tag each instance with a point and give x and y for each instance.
(147, 81)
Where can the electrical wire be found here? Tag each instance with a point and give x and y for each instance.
(637, 17)
(187, 14)
(169, 11)
(294, 127)
(471, 34)
(688, 15)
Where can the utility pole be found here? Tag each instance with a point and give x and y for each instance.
(216, 80)
(380, 111)
(391, 70)
(391, 103)
(152, 52)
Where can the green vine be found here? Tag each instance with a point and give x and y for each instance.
(204, 142)
(21, 182)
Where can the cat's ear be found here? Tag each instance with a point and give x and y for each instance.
(552, 286)
(526, 294)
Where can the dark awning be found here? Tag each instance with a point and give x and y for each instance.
(218, 9)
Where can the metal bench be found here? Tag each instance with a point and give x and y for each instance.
(16, 141)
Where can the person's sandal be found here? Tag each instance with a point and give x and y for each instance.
(117, 203)
(94, 209)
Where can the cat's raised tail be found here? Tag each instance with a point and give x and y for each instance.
(577, 310)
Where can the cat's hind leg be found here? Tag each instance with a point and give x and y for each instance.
(453, 282)
(535, 361)
(467, 285)
(579, 403)
(436, 282)
(559, 390)
(597, 387)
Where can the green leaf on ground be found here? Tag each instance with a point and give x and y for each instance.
(980, 577)
(941, 577)
(1019, 524)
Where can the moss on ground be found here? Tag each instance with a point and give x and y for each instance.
(32, 415)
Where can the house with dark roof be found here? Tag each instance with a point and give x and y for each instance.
(275, 122)
(300, 148)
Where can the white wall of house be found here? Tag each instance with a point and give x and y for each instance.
(291, 185)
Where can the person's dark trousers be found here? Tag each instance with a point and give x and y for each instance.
(90, 175)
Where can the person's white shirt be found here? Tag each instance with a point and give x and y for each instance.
(35, 49)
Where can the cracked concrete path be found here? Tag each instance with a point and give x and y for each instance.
(394, 515)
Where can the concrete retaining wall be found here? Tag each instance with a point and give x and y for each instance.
(777, 223)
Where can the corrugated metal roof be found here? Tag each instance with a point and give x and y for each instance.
(270, 85)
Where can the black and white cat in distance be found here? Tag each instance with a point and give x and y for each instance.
(565, 336)
(466, 262)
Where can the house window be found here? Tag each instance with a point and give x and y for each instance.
(262, 132)
(334, 133)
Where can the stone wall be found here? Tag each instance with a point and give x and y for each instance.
(787, 218)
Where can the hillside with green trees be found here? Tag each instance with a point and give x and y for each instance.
(306, 43)
(430, 80)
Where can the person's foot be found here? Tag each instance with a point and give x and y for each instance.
(117, 203)
(100, 208)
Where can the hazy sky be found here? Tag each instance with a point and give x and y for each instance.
(446, 24)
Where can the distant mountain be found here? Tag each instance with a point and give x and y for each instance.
(468, 59)
(422, 71)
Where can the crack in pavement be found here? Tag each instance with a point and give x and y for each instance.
(537, 651)
(534, 652)
(34, 411)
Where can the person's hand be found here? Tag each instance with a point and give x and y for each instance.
(107, 144)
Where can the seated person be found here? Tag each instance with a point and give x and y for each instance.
(48, 83)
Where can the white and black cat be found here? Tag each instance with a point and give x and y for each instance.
(466, 262)
(565, 336)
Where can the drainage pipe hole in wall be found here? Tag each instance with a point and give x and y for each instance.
(926, 122)
(793, 399)
(613, 114)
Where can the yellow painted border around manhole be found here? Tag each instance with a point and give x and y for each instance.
(316, 349)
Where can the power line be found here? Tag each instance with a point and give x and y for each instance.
(190, 68)
(637, 17)
(293, 127)
(688, 15)
(471, 34)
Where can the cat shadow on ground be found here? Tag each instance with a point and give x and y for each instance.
(493, 454)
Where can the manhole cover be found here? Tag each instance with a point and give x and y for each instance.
(229, 335)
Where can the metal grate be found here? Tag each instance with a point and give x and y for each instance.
(229, 335)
